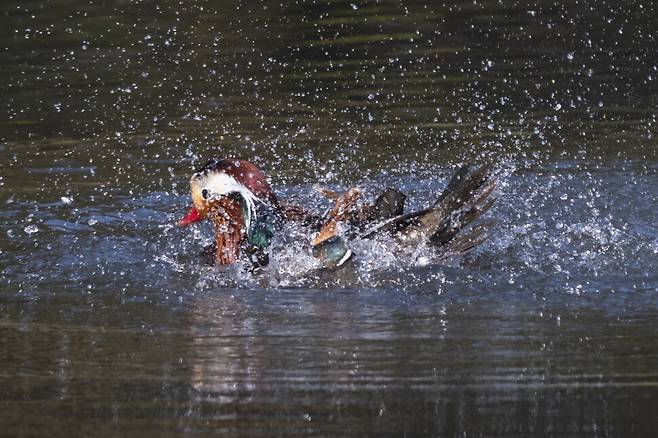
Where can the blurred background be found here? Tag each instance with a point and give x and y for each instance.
(110, 323)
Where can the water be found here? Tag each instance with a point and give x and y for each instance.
(110, 323)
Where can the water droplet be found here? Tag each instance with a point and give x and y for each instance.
(31, 229)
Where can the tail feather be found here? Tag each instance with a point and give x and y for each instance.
(468, 240)
(465, 199)
(453, 183)
(462, 203)
(449, 227)
(465, 188)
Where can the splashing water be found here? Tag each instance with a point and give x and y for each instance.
(564, 225)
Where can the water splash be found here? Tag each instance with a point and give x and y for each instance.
(568, 227)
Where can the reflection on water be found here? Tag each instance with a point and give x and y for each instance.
(109, 323)
(332, 362)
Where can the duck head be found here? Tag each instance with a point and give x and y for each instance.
(230, 193)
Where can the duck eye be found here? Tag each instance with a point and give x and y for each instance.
(205, 193)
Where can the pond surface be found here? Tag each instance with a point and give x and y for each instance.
(111, 324)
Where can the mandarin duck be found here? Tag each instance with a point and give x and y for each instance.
(236, 197)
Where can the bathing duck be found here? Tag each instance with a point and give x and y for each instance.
(235, 196)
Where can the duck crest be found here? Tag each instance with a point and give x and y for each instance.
(242, 172)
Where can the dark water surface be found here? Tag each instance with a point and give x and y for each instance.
(111, 325)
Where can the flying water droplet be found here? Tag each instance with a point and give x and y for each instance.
(31, 229)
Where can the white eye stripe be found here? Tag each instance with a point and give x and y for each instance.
(221, 184)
